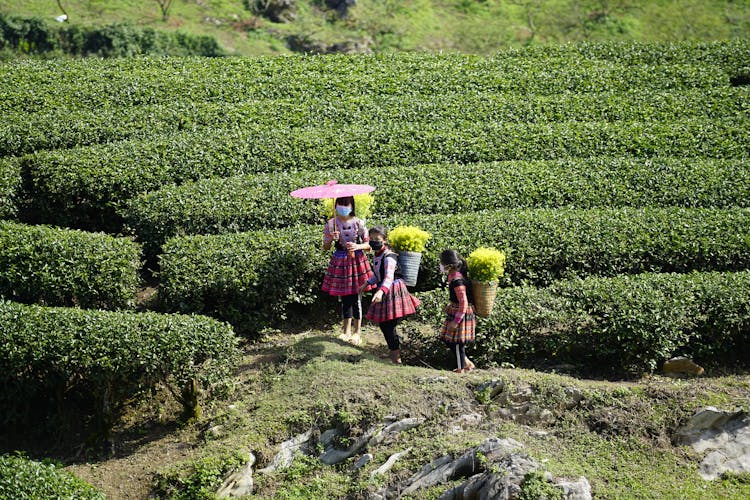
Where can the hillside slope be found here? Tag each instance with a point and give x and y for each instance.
(472, 26)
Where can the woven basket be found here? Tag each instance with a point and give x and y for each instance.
(484, 297)
(409, 264)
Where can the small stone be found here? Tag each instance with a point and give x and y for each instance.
(238, 483)
(362, 461)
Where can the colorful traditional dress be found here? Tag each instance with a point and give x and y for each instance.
(397, 301)
(459, 310)
(346, 272)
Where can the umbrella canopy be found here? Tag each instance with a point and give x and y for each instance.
(332, 189)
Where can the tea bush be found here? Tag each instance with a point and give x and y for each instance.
(244, 203)
(624, 325)
(22, 132)
(88, 84)
(25, 478)
(83, 186)
(10, 185)
(250, 278)
(66, 267)
(66, 357)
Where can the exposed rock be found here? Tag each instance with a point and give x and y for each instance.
(573, 397)
(238, 483)
(504, 484)
(285, 457)
(494, 387)
(395, 428)
(362, 461)
(575, 490)
(279, 11)
(446, 468)
(681, 366)
(333, 455)
(306, 44)
(388, 463)
(724, 435)
(341, 6)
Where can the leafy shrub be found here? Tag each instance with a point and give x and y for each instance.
(24, 478)
(249, 279)
(408, 239)
(486, 264)
(88, 184)
(10, 184)
(66, 267)
(245, 203)
(22, 132)
(197, 479)
(143, 81)
(614, 326)
(35, 36)
(544, 245)
(68, 357)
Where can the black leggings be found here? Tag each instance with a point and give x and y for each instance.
(351, 306)
(389, 332)
(458, 353)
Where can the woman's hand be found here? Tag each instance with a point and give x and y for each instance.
(378, 297)
(335, 235)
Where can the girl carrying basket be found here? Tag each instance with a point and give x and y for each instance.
(391, 301)
(460, 321)
(348, 268)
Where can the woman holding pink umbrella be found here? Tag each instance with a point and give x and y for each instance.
(349, 268)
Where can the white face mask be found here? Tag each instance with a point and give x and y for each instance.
(442, 268)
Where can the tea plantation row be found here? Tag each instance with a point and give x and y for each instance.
(243, 203)
(55, 359)
(22, 132)
(617, 326)
(82, 187)
(88, 84)
(250, 278)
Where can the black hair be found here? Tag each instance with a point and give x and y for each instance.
(381, 230)
(345, 201)
(454, 259)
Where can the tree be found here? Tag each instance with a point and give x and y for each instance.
(164, 5)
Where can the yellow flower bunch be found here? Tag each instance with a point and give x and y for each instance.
(486, 264)
(362, 202)
(408, 239)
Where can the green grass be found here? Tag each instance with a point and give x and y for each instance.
(473, 26)
(314, 380)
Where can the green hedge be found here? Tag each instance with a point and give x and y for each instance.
(30, 35)
(249, 279)
(729, 54)
(22, 132)
(88, 84)
(22, 478)
(81, 187)
(10, 185)
(614, 326)
(245, 203)
(69, 357)
(66, 267)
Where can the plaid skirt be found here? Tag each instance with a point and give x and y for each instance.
(346, 274)
(397, 303)
(465, 331)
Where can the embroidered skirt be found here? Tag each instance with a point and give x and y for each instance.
(397, 303)
(346, 274)
(465, 331)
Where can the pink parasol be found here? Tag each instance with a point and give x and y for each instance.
(332, 189)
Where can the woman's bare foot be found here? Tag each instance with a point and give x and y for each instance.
(470, 366)
(458, 370)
